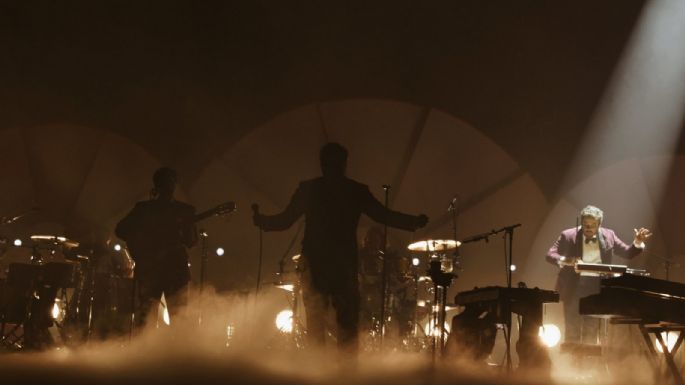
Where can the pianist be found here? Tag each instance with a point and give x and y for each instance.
(588, 243)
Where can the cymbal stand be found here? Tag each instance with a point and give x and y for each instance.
(454, 209)
(441, 281)
(91, 265)
(298, 330)
(204, 258)
(384, 275)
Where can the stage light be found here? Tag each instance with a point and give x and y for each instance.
(415, 261)
(55, 311)
(219, 251)
(432, 331)
(284, 321)
(117, 247)
(230, 332)
(17, 242)
(165, 316)
(550, 335)
(669, 338)
(163, 309)
(512, 267)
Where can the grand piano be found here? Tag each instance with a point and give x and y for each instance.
(654, 305)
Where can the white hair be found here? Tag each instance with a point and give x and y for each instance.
(592, 212)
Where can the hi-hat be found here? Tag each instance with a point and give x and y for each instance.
(434, 245)
(55, 240)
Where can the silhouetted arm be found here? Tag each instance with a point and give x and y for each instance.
(285, 219)
(376, 211)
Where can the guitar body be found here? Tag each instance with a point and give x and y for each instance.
(157, 234)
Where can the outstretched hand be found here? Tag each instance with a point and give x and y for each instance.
(422, 220)
(641, 235)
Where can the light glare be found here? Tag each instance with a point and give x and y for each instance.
(669, 338)
(431, 330)
(284, 321)
(165, 317)
(550, 335)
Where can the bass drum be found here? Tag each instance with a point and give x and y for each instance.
(113, 305)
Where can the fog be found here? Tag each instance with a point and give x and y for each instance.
(256, 353)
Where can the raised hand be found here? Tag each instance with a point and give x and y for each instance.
(641, 235)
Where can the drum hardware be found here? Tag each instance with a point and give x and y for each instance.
(17, 304)
(31, 293)
(384, 269)
(440, 271)
(290, 282)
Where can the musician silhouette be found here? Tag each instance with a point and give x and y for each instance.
(157, 233)
(332, 205)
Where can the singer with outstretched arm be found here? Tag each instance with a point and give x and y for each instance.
(332, 205)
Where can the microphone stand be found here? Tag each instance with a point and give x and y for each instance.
(203, 258)
(255, 210)
(455, 210)
(203, 268)
(384, 276)
(509, 261)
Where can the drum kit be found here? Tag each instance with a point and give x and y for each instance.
(47, 292)
(415, 303)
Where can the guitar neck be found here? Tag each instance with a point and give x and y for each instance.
(219, 210)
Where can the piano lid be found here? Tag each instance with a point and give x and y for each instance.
(646, 284)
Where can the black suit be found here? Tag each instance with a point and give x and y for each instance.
(332, 207)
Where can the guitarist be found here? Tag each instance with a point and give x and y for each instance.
(158, 232)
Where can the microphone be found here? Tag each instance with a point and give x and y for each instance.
(452, 206)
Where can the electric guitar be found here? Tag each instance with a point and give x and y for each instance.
(219, 210)
(150, 255)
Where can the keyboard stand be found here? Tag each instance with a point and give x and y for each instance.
(656, 329)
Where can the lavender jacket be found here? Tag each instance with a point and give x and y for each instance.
(570, 245)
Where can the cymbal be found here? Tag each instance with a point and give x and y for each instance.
(434, 245)
(54, 239)
(285, 286)
(429, 304)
